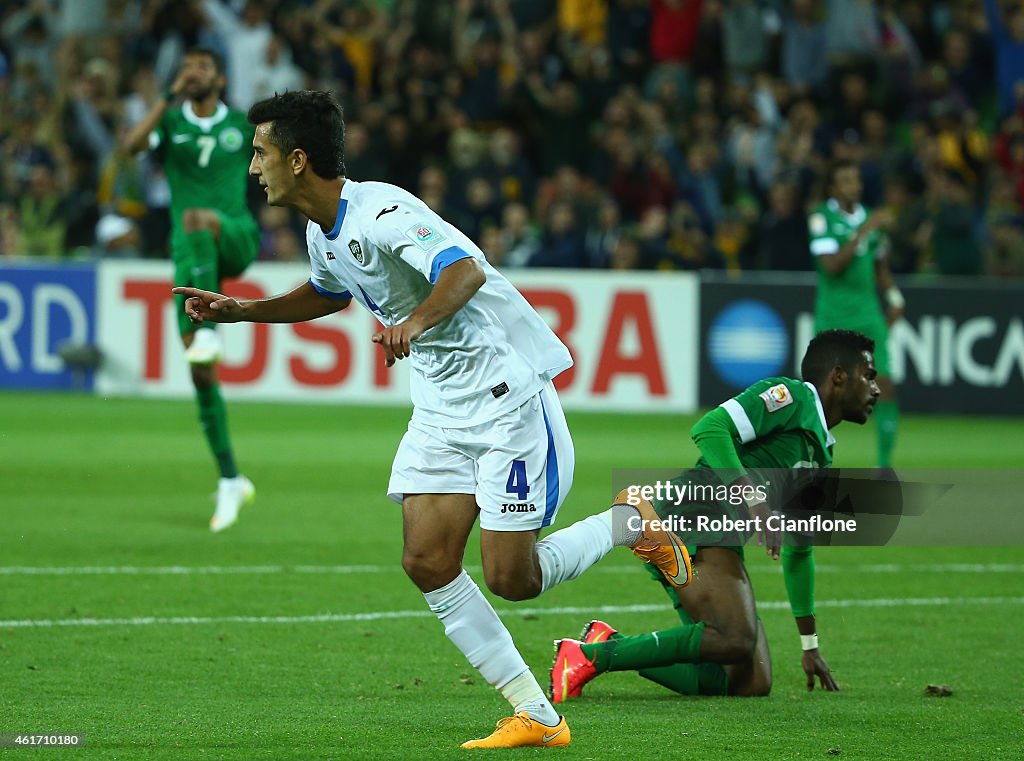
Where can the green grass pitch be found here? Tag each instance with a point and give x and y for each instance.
(211, 648)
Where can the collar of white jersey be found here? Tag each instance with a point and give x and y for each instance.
(830, 440)
(858, 215)
(205, 123)
(347, 189)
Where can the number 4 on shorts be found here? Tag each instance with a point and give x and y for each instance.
(517, 480)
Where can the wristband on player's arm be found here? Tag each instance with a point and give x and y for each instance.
(808, 642)
(894, 298)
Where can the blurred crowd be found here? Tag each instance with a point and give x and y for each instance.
(624, 134)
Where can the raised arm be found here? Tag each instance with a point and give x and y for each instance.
(137, 138)
(297, 305)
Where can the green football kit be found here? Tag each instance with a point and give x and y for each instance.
(206, 160)
(850, 299)
(775, 425)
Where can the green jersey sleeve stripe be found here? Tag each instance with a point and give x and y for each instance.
(739, 418)
(821, 246)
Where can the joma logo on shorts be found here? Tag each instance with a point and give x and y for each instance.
(518, 507)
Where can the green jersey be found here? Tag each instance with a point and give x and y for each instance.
(206, 160)
(775, 423)
(849, 298)
(774, 432)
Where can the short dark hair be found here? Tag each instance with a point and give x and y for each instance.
(837, 166)
(311, 120)
(213, 55)
(834, 348)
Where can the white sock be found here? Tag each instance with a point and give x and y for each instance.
(525, 694)
(622, 534)
(567, 553)
(472, 625)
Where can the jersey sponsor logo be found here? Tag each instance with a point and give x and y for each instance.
(818, 224)
(425, 236)
(231, 139)
(179, 139)
(518, 507)
(776, 397)
(356, 249)
(331, 257)
(382, 212)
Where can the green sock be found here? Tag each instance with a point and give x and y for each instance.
(690, 678)
(887, 416)
(205, 271)
(680, 644)
(213, 416)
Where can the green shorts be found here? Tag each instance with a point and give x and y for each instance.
(237, 248)
(874, 327)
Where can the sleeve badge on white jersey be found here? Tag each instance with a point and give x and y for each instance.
(425, 235)
(356, 249)
(776, 397)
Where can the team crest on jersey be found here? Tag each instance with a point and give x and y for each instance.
(776, 397)
(425, 236)
(231, 139)
(356, 249)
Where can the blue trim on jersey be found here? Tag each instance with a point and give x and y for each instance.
(336, 230)
(551, 473)
(331, 294)
(444, 259)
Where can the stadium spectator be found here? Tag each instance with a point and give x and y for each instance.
(42, 214)
(804, 52)
(954, 245)
(782, 230)
(1006, 28)
(729, 94)
(245, 38)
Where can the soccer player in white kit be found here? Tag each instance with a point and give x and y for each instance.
(487, 434)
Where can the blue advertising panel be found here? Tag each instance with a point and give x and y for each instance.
(44, 310)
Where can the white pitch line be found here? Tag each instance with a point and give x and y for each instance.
(336, 618)
(214, 570)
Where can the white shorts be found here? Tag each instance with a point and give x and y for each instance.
(519, 466)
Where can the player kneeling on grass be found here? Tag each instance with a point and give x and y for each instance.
(487, 435)
(720, 647)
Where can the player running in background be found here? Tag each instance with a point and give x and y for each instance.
(720, 647)
(850, 255)
(487, 434)
(204, 148)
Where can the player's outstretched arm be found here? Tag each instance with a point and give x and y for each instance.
(455, 286)
(798, 571)
(137, 138)
(297, 305)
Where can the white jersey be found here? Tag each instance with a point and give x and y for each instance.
(386, 251)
